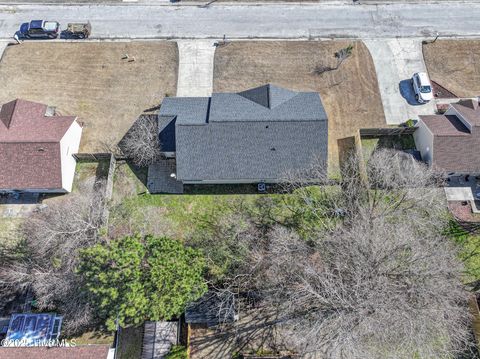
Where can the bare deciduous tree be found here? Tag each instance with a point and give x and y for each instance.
(141, 143)
(369, 290)
(374, 277)
(390, 184)
(341, 56)
(46, 255)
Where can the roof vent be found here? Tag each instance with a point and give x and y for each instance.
(50, 111)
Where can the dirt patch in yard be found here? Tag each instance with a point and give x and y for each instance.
(350, 94)
(454, 65)
(93, 81)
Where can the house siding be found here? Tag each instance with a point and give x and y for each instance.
(424, 142)
(69, 145)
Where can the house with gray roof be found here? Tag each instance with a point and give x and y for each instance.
(450, 142)
(246, 137)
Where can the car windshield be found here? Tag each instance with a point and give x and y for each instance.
(425, 89)
(50, 26)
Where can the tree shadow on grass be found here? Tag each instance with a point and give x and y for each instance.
(256, 330)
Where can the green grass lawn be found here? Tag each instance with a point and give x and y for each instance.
(469, 250)
(94, 337)
(85, 172)
(135, 210)
(174, 215)
(177, 352)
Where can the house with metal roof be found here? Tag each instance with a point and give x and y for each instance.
(251, 136)
(36, 148)
(450, 142)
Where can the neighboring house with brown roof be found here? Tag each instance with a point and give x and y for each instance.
(451, 142)
(36, 148)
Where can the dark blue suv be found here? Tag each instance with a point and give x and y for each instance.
(40, 29)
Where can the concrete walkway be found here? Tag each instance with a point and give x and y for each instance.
(396, 60)
(195, 71)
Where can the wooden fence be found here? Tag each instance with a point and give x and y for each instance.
(391, 131)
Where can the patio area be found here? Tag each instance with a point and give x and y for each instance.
(161, 178)
(464, 188)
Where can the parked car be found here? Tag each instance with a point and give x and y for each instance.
(40, 29)
(78, 30)
(422, 87)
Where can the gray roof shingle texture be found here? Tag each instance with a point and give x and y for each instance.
(255, 135)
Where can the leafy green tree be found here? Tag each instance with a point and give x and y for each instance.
(138, 278)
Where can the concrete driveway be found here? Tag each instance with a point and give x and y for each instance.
(396, 60)
(195, 72)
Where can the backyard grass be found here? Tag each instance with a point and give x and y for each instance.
(350, 94)
(133, 209)
(172, 215)
(455, 65)
(177, 352)
(94, 337)
(401, 142)
(87, 172)
(469, 250)
(92, 81)
(8, 227)
(130, 343)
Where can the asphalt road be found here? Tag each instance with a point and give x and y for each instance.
(256, 21)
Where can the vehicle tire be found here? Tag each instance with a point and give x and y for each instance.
(81, 36)
(417, 98)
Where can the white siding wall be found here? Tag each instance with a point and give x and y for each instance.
(424, 142)
(69, 145)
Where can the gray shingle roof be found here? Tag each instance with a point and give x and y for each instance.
(211, 310)
(266, 103)
(189, 110)
(255, 135)
(268, 95)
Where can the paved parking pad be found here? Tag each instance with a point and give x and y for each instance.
(396, 60)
